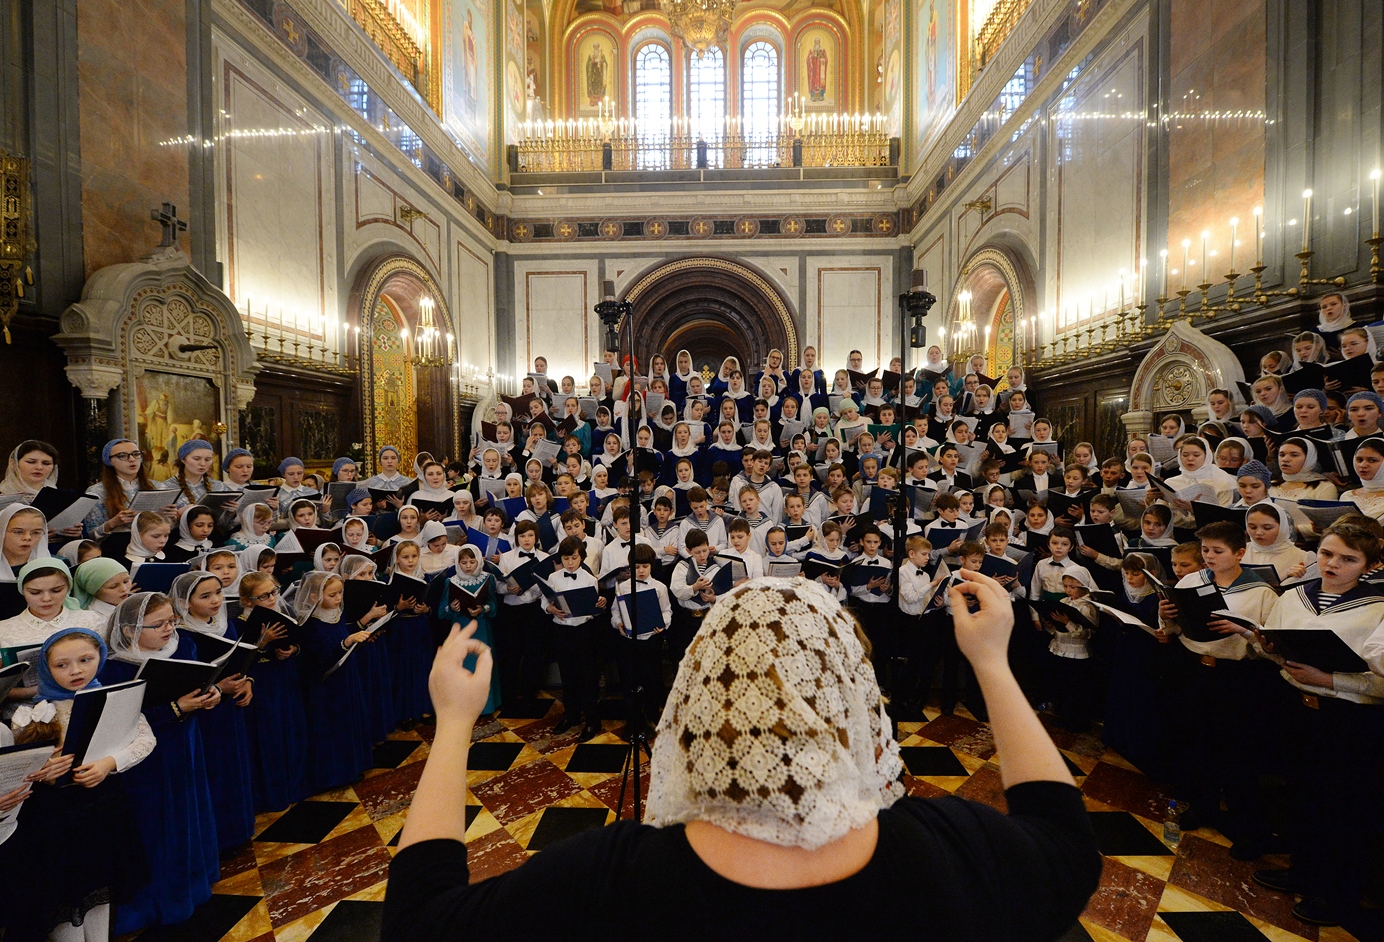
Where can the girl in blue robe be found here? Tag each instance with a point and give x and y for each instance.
(409, 638)
(339, 733)
(168, 791)
(275, 720)
(200, 606)
(458, 606)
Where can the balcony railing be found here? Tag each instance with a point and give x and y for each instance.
(400, 44)
(988, 39)
(568, 147)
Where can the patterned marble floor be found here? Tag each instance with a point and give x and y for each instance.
(317, 871)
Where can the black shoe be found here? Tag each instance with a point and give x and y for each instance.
(563, 725)
(1316, 911)
(1280, 880)
(591, 732)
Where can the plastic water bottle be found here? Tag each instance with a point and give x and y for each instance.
(1172, 831)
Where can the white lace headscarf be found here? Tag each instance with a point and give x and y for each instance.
(181, 592)
(38, 551)
(774, 728)
(309, 596)
(122, 631)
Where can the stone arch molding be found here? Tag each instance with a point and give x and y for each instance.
(156, 314)
(1001, 261)
(1177, 374)
(714, 264)
(373, 284)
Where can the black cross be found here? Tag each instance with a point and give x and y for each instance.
(167, 216)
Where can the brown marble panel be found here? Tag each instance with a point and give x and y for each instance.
(1208, 870)
(390, 792)
(1126, 790)
(238, 861)
(1083, 744)
(608, 792)
(964, 735)
(918, 788)
(493, 854)
(1126, 900)
(539, 734)
(524, 790)
(986, 787)
(305, 882)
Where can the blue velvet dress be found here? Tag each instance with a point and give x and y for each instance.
(339, 739)
(278, 732)
(409, 643)
(485, 631)
(172, 805)
(376, 671)
(226, 745)
(1139, 701)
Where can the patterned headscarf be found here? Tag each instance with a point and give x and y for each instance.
(774, 727)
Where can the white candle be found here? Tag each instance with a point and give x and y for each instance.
(1163, 254)
(1186, 244)
(1258, 236)
(1234, 227)
(1307, 220)
(1374, 186)
(1205, 238)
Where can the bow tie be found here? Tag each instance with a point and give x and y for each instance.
(570, 575)
(527, 555)
(1053, 562)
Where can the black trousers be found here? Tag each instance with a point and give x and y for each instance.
(1217, 732)
(1072, 688)
(576, 650)
(1334, 766)
(641, 669)
(522, 638)
(931, 640)
(683, 630)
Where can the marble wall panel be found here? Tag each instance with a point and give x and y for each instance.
(554, 316)
(850, 304)
(132, 103)
(276, 175)
(1096, 174)
(1216, 135)
(474, 309)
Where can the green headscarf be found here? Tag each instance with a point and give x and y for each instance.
(36, 567)
(91, 576)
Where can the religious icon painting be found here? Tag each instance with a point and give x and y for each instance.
(172, 409)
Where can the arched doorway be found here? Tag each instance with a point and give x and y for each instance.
(713, 308)
(406, 400)
(997, 294)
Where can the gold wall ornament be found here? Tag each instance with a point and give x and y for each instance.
(14, 236)
(700, 24)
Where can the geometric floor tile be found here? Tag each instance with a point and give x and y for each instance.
(212, 920)
(391, 753)
(1077, 933)
(492, 756)
(1072, 767)
(559, 823)
(534, 709)
(931, 760)
(1213, 927)
(1119, 834)
(599, 757)
(303, 883)
(307, 822)
(351, 921)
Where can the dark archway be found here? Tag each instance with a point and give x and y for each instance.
(713, 308)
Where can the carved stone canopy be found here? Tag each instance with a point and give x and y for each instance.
(1178, 373)
(158, 314)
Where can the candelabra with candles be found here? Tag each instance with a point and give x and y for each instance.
(1190, 301)
(291, 344)
(429, 348)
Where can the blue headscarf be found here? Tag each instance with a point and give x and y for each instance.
(288, 463)
(232, 455)
(191, 445)
(389, 448)
(110, 447)
(48, 686)
(340, 463)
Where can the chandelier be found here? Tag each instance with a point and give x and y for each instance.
(700, 24)
(429, 349)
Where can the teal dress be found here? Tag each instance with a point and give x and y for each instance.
(484, 621)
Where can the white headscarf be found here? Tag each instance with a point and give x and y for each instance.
(814, 758)
(1309, 470)
(692, 367)
(1376, 483)
(363, 545)
(39, 550)
(246, 533)
(14, 484)
(309, 595)
(185, 540)
(122, 632)
(249, 557)
(1318, 354)
(318, 562)
(353, 565)
(181, 592)
(1341, 323)
(728, 366)
(1286, 529)
(1208, 473)
(463, 497)
(1151, 567)
(137, 549)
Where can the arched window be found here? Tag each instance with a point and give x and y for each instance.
(759, 96)
(706, 101)
(653, 105)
